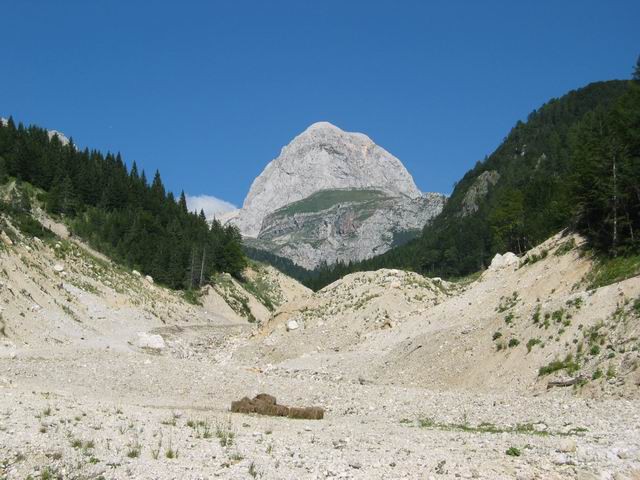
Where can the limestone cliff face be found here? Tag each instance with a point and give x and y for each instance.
(333, 196)
(346, 231)
(323, 157)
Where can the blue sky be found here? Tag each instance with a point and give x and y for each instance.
(209, 91)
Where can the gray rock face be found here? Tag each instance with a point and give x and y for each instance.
(477, 191)
(322, 157)
(346, 231)
(333, 196)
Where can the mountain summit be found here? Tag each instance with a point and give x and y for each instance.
(323, 157)
(333, 196)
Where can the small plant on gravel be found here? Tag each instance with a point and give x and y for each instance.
(225, 434)
(532, 343)
(513, 452)
(134, 450)
(597, 374)
(565, 247)
(155, 452)
(536, 314)
(426, 422)
(49, 473)
(611, 372)
(76, 443)
(252, 470)
(236, 457)
(497, 335)
(514, 342)
(509, 318)
(170, 452)
(594, 350)
(172, 420)
(46, 412)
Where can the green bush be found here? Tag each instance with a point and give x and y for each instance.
(567, 364)
(513, 452)
(532, 343)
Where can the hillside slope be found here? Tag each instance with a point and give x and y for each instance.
(511, 201)
(105, 374)
(495, 333)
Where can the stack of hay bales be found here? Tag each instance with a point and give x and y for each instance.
(265, 404)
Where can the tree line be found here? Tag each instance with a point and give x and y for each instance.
(118, 211)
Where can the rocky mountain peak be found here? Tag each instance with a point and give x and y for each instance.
(323, 157)
(322, 126)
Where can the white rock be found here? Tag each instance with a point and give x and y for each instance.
(136, 273)
(58, 267)
(292, 325)
(63, 139)
(5, 239)
(148, 278)
(503, 261)
(150, 340)
(567, 445)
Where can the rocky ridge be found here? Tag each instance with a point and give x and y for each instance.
(317, 164)
(346, 231)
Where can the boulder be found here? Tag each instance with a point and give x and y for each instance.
(502, 261)
(58, 267)
(136, 273)
(292, 325)
(151, 341)
(148, 278)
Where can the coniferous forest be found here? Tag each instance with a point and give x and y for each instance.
(575, 163)
(117, 211)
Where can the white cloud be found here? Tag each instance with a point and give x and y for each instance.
(212, 206)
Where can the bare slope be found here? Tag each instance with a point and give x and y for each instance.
(405, 366)
(497, 332)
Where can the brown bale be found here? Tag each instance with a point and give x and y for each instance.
(264, 404)
(315, 413)
(282, 410)
(243, 406)
(308, 413)
(265, 397)
(297, 412)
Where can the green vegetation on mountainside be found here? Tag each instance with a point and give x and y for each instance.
(325, 199)
(574, 163)
(115, 209)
